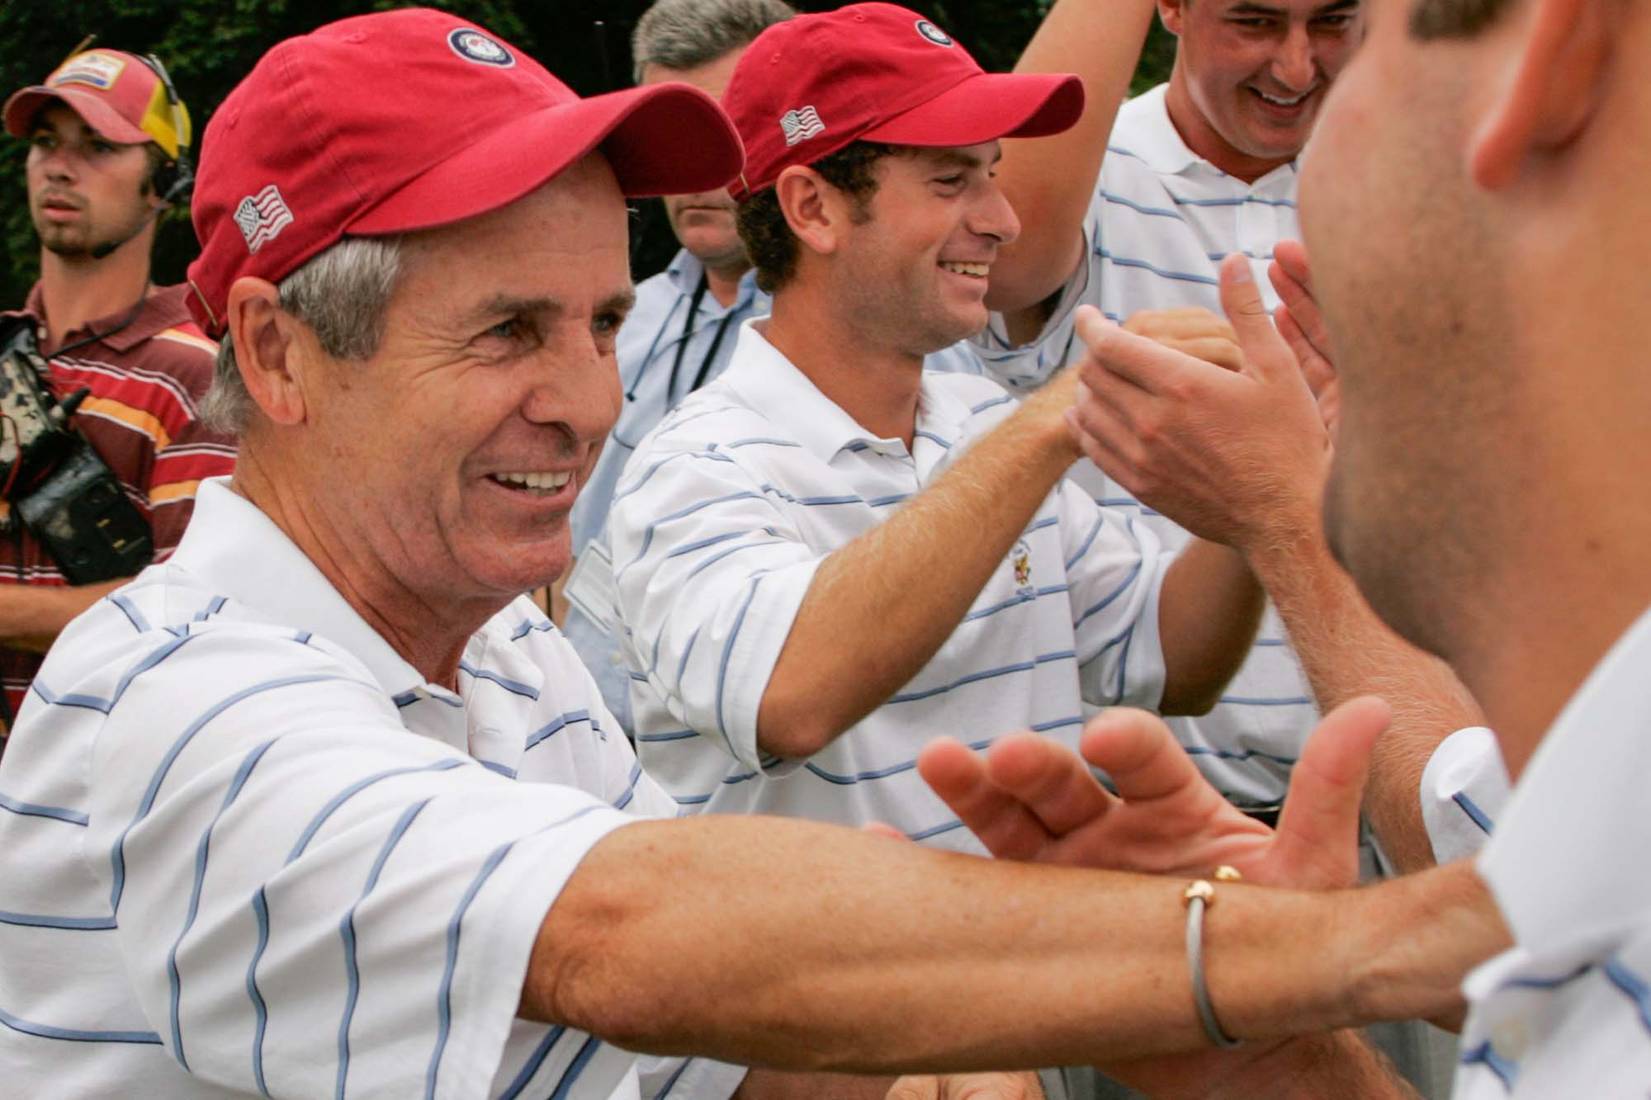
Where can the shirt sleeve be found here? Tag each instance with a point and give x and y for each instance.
(688, 1078)
(1024, 367)
(1464, 788)
(709, 572)
(303, 889)
(1115, 571)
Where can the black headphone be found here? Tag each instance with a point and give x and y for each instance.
(174, 178)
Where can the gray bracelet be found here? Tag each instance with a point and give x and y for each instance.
(1199, 896)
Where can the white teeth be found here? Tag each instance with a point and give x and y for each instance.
(545, 482)
(978, 271)
(1281, 102)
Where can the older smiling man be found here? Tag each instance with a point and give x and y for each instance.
(321, 807)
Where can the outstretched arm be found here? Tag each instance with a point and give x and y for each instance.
(1049, 180)
(795, 945)
(1159, 421)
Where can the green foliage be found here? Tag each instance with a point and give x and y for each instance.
(208, 45)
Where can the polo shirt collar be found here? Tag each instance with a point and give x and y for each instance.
(1157, 141)
(162, 309)
(237, 551)
(1564, 863)
(775, 388)
(685, 271)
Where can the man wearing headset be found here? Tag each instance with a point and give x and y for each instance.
(109, 152)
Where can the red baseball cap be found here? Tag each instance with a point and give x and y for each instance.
(117, 93)
(807, 87)
(410, 119)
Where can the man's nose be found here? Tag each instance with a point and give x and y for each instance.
(1293, 64)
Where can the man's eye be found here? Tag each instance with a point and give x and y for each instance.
(512, 329)
(607, 324)
(43, 141)
(103, 147)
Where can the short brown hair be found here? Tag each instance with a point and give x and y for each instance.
(768, 238)
(1431, 19)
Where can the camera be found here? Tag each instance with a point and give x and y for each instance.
(56, 483)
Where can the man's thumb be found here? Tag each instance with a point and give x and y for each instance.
(1241, 301)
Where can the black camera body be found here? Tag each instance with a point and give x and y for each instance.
(56, 483)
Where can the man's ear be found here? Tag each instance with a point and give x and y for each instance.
(1170, 13)
(816, 211)
(274, 351)
(1558, 74)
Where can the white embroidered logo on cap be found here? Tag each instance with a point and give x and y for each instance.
(473, 45)
(262, 217)
(933, 33)
(801, 124)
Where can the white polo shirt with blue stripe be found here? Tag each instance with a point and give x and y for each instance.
(718, 526)
(248, 850)
(1567, 1010)
(1160, 223)
(658, 331)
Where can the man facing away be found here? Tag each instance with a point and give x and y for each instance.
(108, 154)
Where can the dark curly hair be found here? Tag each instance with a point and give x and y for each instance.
(767, 237)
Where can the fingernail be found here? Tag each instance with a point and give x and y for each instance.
(1242, 272)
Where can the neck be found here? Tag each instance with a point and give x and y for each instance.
(1561, 582)
(1203, 139)
(875, 384)
(427, 631)
(79, 290)
(723, 281)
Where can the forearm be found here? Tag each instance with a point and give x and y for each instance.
(1208, 612)
(1346, 651)
(1050, 180)
(900, 589)
(32, 616)
(795, 945)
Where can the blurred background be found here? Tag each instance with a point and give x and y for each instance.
(208, 45)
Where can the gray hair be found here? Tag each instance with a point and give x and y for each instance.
(685, 34)
(341, 294)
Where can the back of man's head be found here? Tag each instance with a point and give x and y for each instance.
(685, 34)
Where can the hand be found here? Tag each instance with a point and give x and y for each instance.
(1197, 332)
(1236, 456)
(968, 1086)
(1032, 799)
(1302, 326)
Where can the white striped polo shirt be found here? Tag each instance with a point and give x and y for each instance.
(1160, 223)
(1566, 1012)
(245, 839)
(717, 528)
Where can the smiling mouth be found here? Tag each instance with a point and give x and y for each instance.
(539, 484)
(1282, 101)
(972, 271)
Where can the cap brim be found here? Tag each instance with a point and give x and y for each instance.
(986, 107)
(663, 139)
(21, 109)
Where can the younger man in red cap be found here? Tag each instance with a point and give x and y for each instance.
(814, 577)
(109, 152)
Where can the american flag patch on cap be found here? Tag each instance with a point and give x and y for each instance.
(801, 124)
(262, 217)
